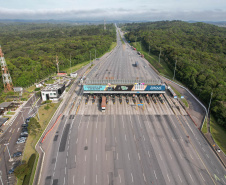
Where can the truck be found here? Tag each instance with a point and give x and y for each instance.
(103, 104)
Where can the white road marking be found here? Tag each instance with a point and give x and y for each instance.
(217, 171)
(120, 179)
(180, 155)
(139, 156)
(203, 149)
(223, 180)
(77, 141)
(132, 177)
(148, 153)
(84, 179)
(65, 170)
(179, 177)
(191, 156)
(173, 139)
(64, 180)
(202, 177)
(155, 174)
(128, 156)
(96, 179)
(191, 177)
(87, 125)
(149, 125)
(160, 156)
(143, 137)
(108, 179)
(144, 177)
(66, 160)
(170, 156)
(207, 155)
(18, 129)
(168, 177)
(73, 179)
(10, 130)
(75, 158)
(125, 137)
(134, 137)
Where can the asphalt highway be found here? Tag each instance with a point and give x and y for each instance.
(153, 144)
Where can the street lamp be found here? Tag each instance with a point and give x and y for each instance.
(10, 159)
(209, 106)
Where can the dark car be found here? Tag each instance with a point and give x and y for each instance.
(24, 125)
(17, 163)
(24, 129)
(28, 120)
(11, 170)
(17, 154)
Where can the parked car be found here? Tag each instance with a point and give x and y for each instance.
(17, 163)
(24, 129)
(17, 154)
(24, 125)
(28, 119)
(25, 132)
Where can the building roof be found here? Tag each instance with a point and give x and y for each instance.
(53, 87)
(5, 104)
(2, 121)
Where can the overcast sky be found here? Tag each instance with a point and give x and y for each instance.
(134, 10)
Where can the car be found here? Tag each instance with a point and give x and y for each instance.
(23, 135)
(21, 141)
(28, 119)
(11, 170)
(24, 125)
(218, 150)
(17, 154)
(24, 129)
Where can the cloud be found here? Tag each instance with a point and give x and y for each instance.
(113, 14)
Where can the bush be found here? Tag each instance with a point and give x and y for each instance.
(47, 107)
(37, 89)
(21, 171)
(30, 165)
(33, 126)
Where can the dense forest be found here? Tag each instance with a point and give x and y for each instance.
(200, 52)
(30, 49)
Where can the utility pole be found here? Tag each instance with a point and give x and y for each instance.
(10, 159)
(149, 50)
(159, 54)
(174, 70)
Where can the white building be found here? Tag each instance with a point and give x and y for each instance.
(52, 92)
(74, 75)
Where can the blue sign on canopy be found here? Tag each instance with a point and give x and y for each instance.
(155, 88)
(94, 87)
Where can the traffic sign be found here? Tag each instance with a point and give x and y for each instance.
(182, 97)
(140, 104)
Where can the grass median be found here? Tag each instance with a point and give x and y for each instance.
(218, 134)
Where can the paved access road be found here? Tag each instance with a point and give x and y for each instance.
(10, 136)
(128, 144)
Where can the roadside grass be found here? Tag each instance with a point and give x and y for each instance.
(179, 95)
(10, 113)
(45, 116)
(112, 46)
(31, 89)
(154, 60)
(204, 127)
(76, 67)
(50, 81)
(218, 134)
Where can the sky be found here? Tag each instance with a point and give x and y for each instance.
(132, 10)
